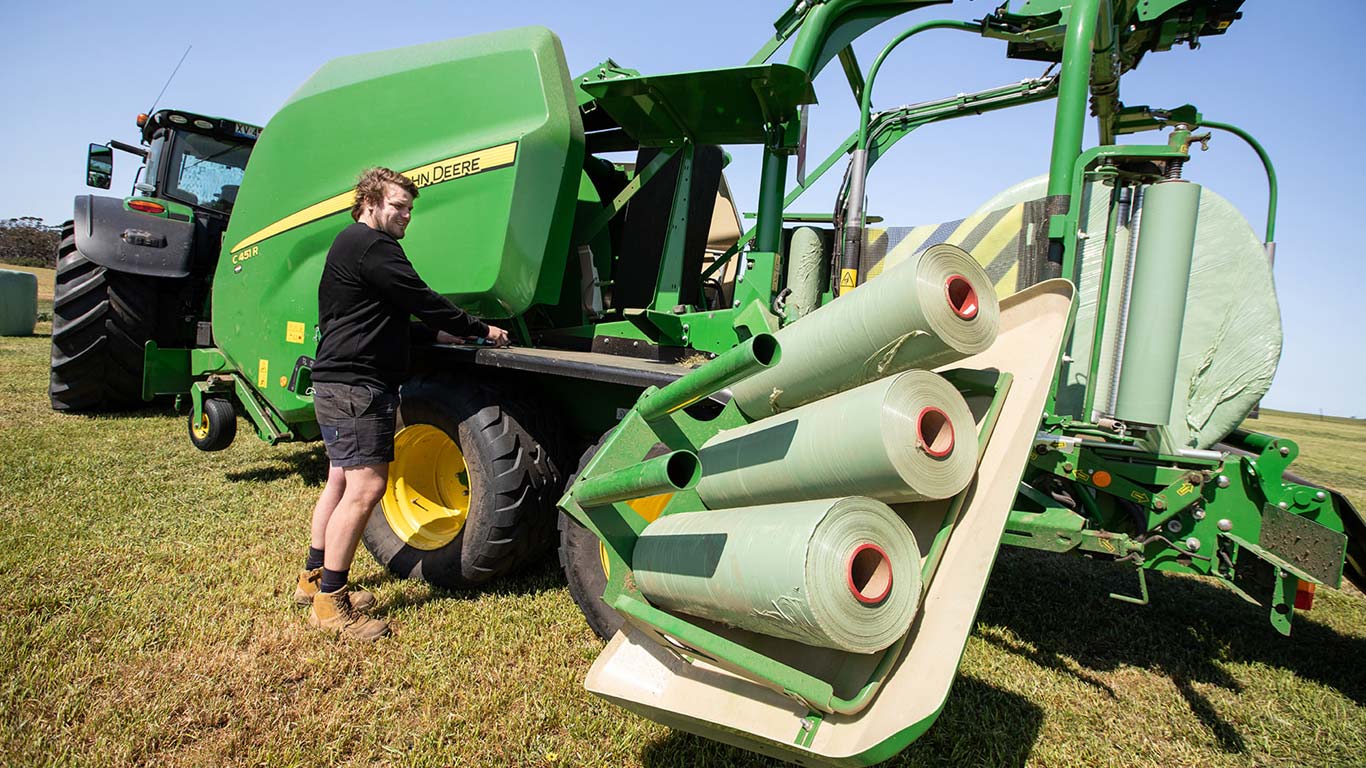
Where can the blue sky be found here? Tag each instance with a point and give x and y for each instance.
(79, 72)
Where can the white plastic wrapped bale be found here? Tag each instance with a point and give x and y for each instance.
(18, 302)
(1231, 339)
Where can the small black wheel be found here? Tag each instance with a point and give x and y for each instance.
(472, 488)
(216, 428)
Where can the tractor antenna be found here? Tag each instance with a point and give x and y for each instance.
(157, 100)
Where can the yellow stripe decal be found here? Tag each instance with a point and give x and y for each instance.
(427, 175)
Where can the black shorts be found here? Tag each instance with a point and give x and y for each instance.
(357, 423)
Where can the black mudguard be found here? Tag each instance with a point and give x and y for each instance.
(132, 242)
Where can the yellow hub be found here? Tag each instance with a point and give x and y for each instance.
(649, 508)
(427, 497)
(201, 430)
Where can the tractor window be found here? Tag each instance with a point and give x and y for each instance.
(206, 171)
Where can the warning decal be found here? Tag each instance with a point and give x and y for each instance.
(848, 279)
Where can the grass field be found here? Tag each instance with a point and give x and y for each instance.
(144, 621)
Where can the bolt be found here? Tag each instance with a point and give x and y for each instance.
(1174, 526)
(1225, 525)
(1195, 478)
(1159, 504)
(1320, 496)
(1198, 513)
(1222, 482)
(1067, 467)
(1283, 505)
(735, 303)
(1285, 451)
(1193, 544)
(685, 326)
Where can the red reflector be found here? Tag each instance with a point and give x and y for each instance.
(1304, 596)
(146, 206)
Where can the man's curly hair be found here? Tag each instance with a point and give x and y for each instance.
(370, 188)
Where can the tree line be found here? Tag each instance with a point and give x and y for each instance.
(27, 241)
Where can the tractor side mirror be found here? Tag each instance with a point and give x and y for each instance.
(99, 166)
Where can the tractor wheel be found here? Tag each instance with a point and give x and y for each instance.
(472, 488)
(216, 428)
(584, 559)
(100, 321)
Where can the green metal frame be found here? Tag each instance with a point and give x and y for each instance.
(596, 501)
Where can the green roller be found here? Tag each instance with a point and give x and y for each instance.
(18, 302)
(806, 262)
(908, 437)
(832, 573)
(1157, 304)
(936, 307)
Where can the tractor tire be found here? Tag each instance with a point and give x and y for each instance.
(100, 321)
(584, 563)
(217, 427)
(472, 488)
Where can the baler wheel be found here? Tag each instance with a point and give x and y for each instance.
(101, 319)
(216, 427)
(473, 485)
(584, 559)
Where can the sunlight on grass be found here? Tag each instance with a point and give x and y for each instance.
(144, 619)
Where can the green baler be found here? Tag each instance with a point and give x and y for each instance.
(640, 312)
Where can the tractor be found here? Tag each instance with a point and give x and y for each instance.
(140, 268)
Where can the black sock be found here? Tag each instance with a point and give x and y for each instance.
(315, 559)
(333, 580)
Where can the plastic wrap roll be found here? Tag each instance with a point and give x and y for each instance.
(907, 437)
(1162, 272)
(1230, 337)
(936, 307)
(18, 302)
(833, 573)
(805, 270)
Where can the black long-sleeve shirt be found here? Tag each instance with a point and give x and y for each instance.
(367, 293)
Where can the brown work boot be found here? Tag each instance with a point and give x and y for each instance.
(308, 587)
(333, 611)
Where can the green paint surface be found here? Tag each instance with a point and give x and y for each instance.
(483, 234)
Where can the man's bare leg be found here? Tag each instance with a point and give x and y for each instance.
(332, 606)
(327, 503)
(364, 486)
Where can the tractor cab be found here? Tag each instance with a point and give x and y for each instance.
(194, 160)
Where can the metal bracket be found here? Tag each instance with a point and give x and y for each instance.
(1142, 599)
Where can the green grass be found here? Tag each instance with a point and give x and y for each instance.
(144, 621)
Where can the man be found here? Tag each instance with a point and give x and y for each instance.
(367, 294)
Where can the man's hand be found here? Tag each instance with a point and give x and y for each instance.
(498, 336)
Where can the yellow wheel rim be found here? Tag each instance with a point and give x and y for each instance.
(649, 508)
(427, 497)
(201, 430)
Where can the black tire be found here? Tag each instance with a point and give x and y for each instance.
(581, 560)
(510, 452)
(217, 428)
(100, 321)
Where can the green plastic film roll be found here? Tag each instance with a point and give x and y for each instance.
(1157, 304)
(18, 302)
(833, 573)
(805, 270)
(907, 437)
(936, 307)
